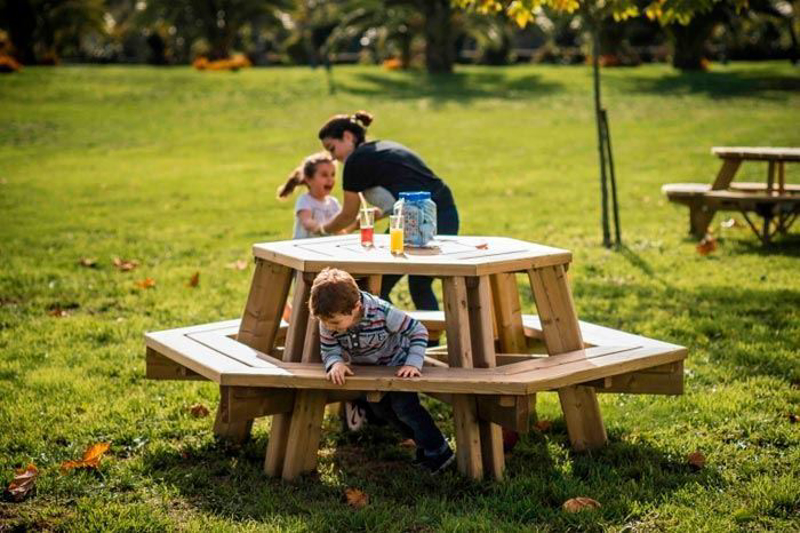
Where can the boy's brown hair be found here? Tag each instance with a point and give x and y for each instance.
(334, 292)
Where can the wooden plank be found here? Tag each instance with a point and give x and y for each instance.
(248, 403)
(562, 334)
(192, 355)
(159, 367)
(508, 313)
(515, 417)
(726, 174)
(540, 363)
(262, 314)
(237, 431)
(459, 343)
(235, 349)
(758, 153)
(479, 300)
(457, 256)
(304, 433)
(295, 336)
(643, 382)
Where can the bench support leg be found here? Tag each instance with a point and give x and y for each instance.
(479, 299)
(304, 433)
(700, 217)
(459, 352)
(236, 431)
(562, 333)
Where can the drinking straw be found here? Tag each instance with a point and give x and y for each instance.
(363, 202)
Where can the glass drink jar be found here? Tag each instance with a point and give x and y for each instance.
(419, 214)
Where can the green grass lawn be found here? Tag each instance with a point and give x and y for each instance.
(177, 169)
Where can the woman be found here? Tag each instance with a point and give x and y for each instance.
(395, 168)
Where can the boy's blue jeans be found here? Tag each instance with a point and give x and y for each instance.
(403, 410)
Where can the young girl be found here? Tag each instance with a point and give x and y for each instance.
(312, 210)
(317, 206)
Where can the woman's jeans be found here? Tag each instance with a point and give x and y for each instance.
(404, 412)
(421, 287)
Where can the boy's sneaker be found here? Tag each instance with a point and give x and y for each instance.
(439, 463)
(355, 416)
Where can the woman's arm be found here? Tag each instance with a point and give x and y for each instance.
(346, 216)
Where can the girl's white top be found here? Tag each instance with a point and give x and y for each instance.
(322, 211)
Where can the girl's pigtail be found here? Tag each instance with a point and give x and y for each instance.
(295, 179)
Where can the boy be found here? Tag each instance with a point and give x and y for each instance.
(367, 330)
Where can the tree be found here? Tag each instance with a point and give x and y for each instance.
(41, 30)
(593, 13)
(216, 22)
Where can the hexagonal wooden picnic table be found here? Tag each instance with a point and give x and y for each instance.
(478, 277)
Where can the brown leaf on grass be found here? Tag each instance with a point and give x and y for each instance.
(199, 410)
(696, 460)
(408, 443)
(125, 265)
(88, 262)
(794, 418)
(22, 484)
(543, 425)
(356, 498)
(731, 223)
(194, 281)
(707, 245)
(57, 312)
(146, 283)
(91, 457)
(581, 503)
(239, 264)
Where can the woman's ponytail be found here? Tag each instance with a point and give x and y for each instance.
(357, 124)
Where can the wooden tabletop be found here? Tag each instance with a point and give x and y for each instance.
(757, 153)
(453, 256)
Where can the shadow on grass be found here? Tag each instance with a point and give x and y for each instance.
(229, 481)
(784, 245)
(716, 84)
(456, 87)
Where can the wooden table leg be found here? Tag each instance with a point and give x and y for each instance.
(459, 350)
(562, 334)
(304, 433)
(258, 329)
(479, 298)
(278, 448)
(770, 177)
(781, 178)
(726, 174)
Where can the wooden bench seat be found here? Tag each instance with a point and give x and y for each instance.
(210, 352)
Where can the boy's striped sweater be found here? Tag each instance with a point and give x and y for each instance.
(384, 336)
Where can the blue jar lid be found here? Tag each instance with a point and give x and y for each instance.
(415, 196)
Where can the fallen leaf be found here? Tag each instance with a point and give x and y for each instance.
(707, 245)
(88, 262)
(794, 418)
(543, 425)
(199, 410)
(239, 264)
(696, 460)
(731, 223)
(57, 312)
(194, 281)
(125, 265)
(510, 439)
(91, 457)
(287, 312)
(22, 484)
(580, 503)
(408, 443)
(482, 246)
(356, 499)
(146, 283)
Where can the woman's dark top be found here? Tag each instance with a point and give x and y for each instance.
(394, 167)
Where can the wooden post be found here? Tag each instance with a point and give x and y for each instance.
(479, 297)
(726, 174)
(459, 351)
(304, 433)
(508, 312)
(562, 333)
(278, 445)
(258, 329)
(770, 177)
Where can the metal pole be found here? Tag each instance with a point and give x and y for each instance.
(612, 175)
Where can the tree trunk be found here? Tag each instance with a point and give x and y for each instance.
(22, 25)
(438, 36)
(689, 42)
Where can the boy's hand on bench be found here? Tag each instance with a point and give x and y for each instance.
(338, 372)
(407, 371)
